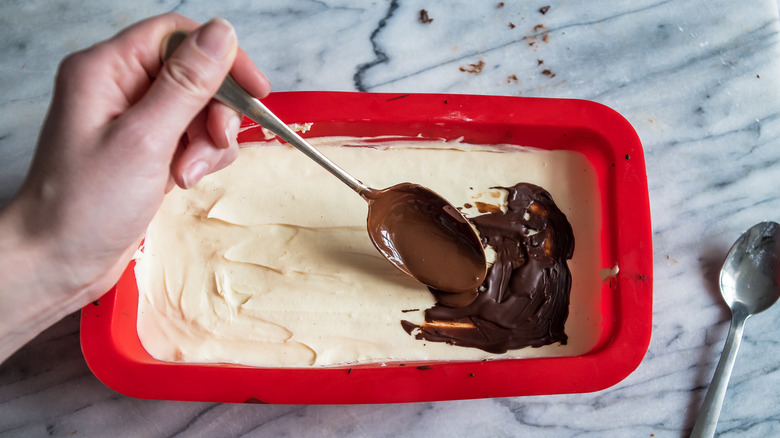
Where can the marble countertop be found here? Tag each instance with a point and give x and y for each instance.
(697, 79)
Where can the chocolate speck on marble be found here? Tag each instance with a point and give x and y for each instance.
(473, 68)
(424, 17)
(543, 10)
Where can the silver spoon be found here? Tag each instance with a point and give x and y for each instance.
(415, 229)
(749, 285)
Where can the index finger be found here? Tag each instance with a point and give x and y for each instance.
(143, 41)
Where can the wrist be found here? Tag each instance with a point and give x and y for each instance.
(31, 297)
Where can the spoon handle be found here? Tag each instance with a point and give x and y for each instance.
(233, 95)
(713, 401)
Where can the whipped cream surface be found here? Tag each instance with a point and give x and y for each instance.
(268, 263)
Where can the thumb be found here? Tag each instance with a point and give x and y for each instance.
(188, 80)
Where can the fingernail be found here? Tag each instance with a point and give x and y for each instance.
(194, 174)
(231, 132)
(216, 38)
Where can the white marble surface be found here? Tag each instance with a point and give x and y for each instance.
(697, 79)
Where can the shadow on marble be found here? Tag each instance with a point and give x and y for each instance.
(711, 258)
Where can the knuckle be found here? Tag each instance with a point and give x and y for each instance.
(70, 63)
(231, 154)
(75, 65)
(227, 157)
(134, 133)
(76, 68)
(187, 77)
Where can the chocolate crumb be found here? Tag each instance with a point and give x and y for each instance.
(543, 10)
(473, 68)
(548, 73)
(628, 157)
(758, 76)
(409, 310)
(467, 205)
(425, 367)
(471, 374)
(500, 5)
(96, 302)
(546, 37)
(446, 101)
(512, 79)
(424, 18)
(511, 25)
(349, 371)
(539, 62)
(539, 27)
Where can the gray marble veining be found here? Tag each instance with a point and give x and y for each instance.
(697, 79)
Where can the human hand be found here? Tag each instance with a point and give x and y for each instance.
(122, 129)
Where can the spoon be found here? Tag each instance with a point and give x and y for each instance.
(415, 229)
(749, 285)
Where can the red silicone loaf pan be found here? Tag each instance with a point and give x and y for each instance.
(115, 355)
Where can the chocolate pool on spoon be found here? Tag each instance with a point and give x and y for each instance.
(415, 229)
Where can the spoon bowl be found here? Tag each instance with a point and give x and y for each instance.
(750, 273)
(427, 238)
(749, 283)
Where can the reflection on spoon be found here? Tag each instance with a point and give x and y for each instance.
(414, 228)
(426, 237)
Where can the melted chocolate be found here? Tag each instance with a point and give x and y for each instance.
(524, 300)
(426, 237)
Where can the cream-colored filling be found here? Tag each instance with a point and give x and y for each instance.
(268, 262)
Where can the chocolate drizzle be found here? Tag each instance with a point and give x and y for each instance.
(524, 300)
